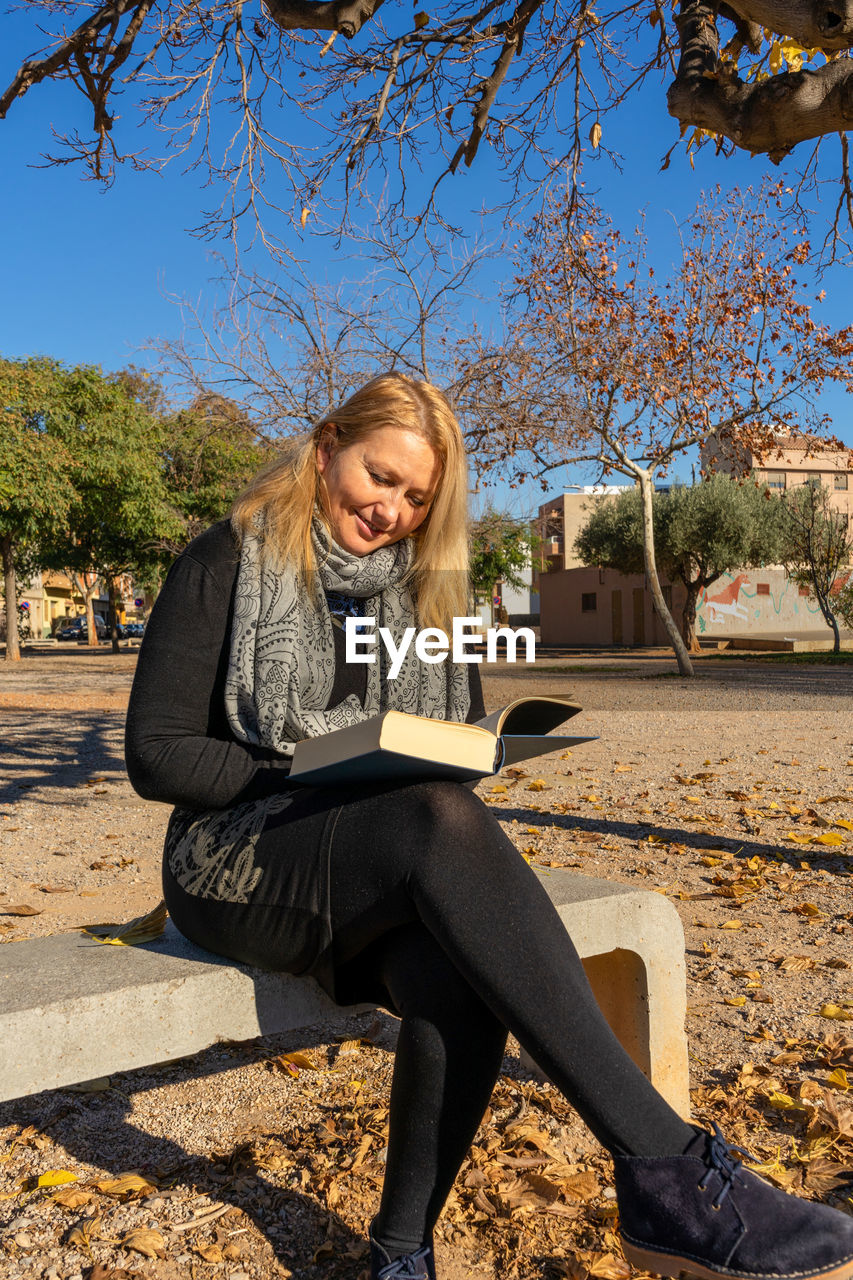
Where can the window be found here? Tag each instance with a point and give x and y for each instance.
(762, 589)
(840, 480)
(813, 477)
(588, 602)
(775, 479)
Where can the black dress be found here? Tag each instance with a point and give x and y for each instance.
(246, 858)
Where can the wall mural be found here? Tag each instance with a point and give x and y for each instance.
(731, 606)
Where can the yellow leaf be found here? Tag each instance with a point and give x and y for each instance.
(499, 790)
(125, 1184)
(835, 1011)
(838, 1079)
(833, 838)
(784, 1101)
(842, 822)
(595, 135)
(72, 1197)
(303, 217)
(737, 1001)
(421, 20)
(56, 1178)
(732, 924)
(300, 1060)
(775, 57)
(142, 929)
(145, 1240)
(538, 784)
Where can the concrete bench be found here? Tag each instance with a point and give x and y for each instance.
(73, 1009)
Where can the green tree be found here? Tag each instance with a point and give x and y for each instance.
(35, 488)
(818, 545)
(119, 511)
(701, 531)
(501, 549)
(212, 449)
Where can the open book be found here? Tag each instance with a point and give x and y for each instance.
(398, 745)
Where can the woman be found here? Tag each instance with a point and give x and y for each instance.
(408, 895)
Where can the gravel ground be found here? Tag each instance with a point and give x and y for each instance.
(732, 794)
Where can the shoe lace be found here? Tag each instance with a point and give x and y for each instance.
(720, 1159)
(413, 1266)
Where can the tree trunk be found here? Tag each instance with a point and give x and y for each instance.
(91, 629)
(685, 666)
(10, 588)
(112, 615)
(688, 624)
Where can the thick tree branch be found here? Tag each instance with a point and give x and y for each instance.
(81, 41)
(344, 16)
(770, 116)
(816, 24)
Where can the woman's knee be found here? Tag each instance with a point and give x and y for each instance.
(450, 816)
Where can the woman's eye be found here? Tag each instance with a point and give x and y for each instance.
(377, 478)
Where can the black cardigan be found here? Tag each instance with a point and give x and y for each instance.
(178, 743)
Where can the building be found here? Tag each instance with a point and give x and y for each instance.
(561, 520)
(601, 607)
(796, 460)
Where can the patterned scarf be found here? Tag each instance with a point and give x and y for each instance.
(281, 667)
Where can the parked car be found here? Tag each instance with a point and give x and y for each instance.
(76, 629)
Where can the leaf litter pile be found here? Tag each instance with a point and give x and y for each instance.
(265, 1159)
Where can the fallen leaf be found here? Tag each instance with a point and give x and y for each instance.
(142, 929)
(538, 784)
(145, 1240)
(55, 1178)
(72, 1197)
(837, 1012)
(209, 1252)
(125, 1184)
(86, 1230)
(20, 909)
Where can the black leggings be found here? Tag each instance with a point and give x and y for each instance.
(436, 915)
(432, 904)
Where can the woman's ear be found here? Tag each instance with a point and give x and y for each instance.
(326, 446)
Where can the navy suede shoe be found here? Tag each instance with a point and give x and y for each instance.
(411, 1266)
(705, 1215)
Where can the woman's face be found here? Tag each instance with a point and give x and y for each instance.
(378, 489)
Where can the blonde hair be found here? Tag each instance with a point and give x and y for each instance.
(287, 491)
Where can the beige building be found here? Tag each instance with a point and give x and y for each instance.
(588, 606)
(796, 460)
(561, 520)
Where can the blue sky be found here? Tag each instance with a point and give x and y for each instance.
(87, 273)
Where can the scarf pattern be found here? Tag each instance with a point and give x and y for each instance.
(281, 666)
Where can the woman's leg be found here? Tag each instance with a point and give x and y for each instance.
(433, 853)
(449, 1053)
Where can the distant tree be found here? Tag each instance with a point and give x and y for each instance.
(119, 509)
(211, 451)
(610, 366)
(501, 549)
(818, 545)
(701, 531)
(35, 487)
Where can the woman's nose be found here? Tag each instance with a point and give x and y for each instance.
(387, 508)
